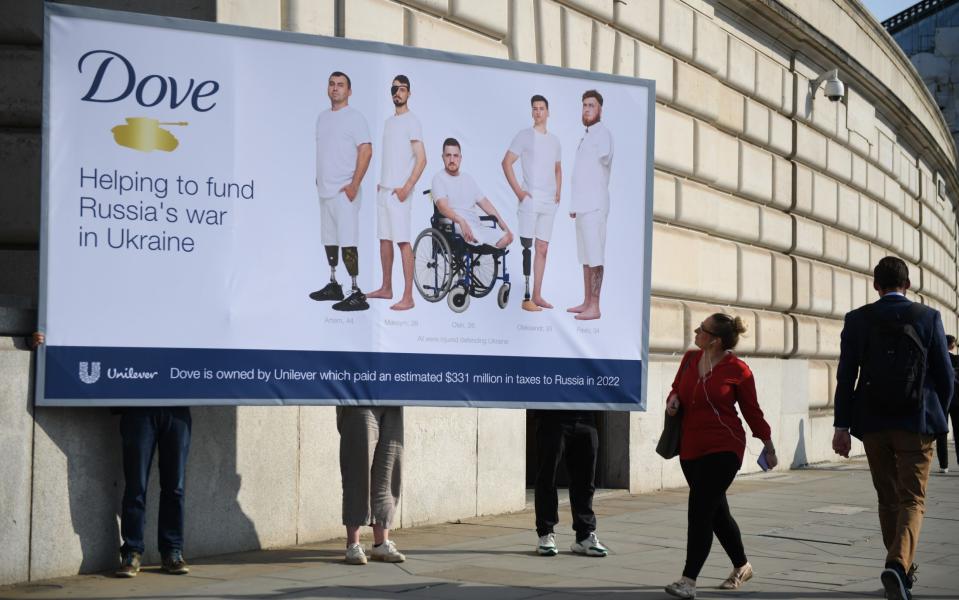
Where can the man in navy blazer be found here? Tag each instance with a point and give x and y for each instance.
(899, 448)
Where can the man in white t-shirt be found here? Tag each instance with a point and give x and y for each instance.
(590, 204)
(404, 159)
(343, 153)
(459, 199)
(540, 155)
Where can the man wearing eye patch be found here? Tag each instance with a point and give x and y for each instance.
(404, 159)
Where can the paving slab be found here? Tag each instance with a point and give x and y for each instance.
(811, 534)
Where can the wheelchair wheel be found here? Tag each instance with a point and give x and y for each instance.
(484, 268)
(432, 265)
(502, 296)
(458, 299)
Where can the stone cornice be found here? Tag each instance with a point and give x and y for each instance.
(917, 120)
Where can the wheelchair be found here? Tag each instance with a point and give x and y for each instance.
(446, 266)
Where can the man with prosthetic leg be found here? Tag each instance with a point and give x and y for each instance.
(343, 153)
(540, 154)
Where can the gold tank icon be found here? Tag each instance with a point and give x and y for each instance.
(143, 133)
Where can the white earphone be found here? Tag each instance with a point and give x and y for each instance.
(713, 407)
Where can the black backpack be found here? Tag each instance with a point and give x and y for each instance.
(893, 363)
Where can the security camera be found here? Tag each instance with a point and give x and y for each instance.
(834, 88)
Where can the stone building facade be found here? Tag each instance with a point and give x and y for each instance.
(770, 203)
(928, 32)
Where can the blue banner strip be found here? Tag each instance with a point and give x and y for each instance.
(102, 375)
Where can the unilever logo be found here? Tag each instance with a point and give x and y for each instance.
(114, 78)
(89, 373)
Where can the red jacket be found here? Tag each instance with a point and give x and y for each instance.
(710, 421)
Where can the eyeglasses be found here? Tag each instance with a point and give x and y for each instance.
(396, 88)
(702, 327)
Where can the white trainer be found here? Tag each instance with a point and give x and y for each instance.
(355, 555)
(387, 552)
(590, 547)
(684, 587)
(547, 545)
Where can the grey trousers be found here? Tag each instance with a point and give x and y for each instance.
(371, 456)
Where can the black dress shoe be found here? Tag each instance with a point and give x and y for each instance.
(355, 301)
(333, 291)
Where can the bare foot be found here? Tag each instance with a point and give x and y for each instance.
(542, 303)
(404, 304)
(385, 293)
(577, 309)
(588, 314)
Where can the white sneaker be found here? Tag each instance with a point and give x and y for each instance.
(355, 555)
(547, 545)
(944, 470)
(589, 547)
(684, 587)
(387, 552)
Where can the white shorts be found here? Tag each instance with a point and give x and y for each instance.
(393, 216)
(482, 231)
(536, 218)
(340, 221)
(591, 238)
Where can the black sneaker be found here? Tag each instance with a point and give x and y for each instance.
(911, 577)
(894, 579)
(129, 565)
(332, 291)
(174, 564)
(355, 301)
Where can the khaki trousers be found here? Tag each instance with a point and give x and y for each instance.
(899, 462)
(371, 453)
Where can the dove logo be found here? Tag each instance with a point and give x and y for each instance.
(118, 78)
(89, 372)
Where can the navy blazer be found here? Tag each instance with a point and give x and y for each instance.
(937, 385)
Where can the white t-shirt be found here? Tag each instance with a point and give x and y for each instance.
(590, 182)
(461, 192)
(399, 133)
(538, 153)
(338, 135)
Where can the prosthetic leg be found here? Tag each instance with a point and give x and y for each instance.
(527, 265)
(332, 291)
(357, 299)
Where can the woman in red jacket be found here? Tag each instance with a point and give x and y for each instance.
(709, 384)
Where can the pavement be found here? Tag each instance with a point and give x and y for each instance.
(810, 534)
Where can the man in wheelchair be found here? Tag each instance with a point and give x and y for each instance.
(462, 254)
(459, 199)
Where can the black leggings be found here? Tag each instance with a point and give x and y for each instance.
(709, 477)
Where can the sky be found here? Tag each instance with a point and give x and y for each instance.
(883, 9)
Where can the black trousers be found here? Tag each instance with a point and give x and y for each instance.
(166, 430)
(709, 477)
(942, 441)
(575, 433)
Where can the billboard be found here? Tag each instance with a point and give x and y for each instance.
(241, 216)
